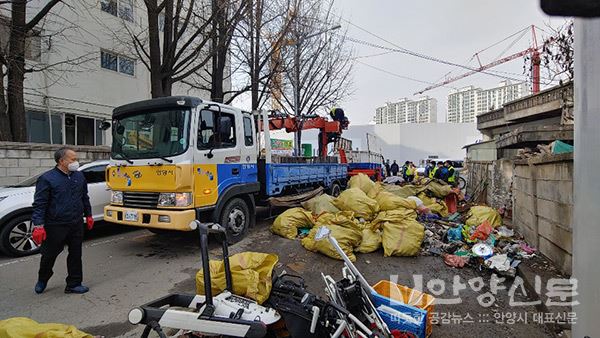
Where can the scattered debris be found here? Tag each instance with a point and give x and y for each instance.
(405, 219)
(455, 261)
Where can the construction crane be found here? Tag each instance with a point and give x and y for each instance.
(535, 60)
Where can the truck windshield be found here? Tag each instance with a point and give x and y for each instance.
(151, 134)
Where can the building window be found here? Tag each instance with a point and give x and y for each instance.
(126, 65)
(126, 10)
(78, 130)
(109, 6)
(121, 8)
(117, 63)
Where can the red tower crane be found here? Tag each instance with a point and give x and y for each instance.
(535, 60)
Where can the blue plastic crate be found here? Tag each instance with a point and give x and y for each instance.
(395, 322)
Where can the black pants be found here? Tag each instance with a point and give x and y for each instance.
(57, 236)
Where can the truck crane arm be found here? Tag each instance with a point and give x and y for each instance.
(329, 131)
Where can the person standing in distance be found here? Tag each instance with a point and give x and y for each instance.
(60, 202)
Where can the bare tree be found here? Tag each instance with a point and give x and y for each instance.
(27, 39)
(263, 35)
(320, 75)
(12, 106)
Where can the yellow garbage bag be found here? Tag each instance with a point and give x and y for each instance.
(402, 234)
(287, 224)
(344, 228)
(434, 205)
(394, 216)
(21, 327)
(404, 191)
(388, 201)
(320, 204)
(362, 182)
(371, 241)
(479, 213)
(357, 201)
(251, 274)
(439, 190)
(375, 190)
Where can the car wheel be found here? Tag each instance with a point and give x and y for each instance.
(235, 217)
(15, 237)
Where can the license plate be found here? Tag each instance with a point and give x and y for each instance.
(131, 215)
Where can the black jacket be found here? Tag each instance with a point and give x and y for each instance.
(60, 198)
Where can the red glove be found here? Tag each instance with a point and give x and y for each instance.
(89, 220)
(38, 235)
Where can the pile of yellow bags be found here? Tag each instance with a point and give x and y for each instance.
(356, 200)
(362, 219)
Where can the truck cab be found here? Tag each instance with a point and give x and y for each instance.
(177, 159)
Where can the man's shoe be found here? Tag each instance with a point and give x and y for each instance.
(40, 286)
(77, 289)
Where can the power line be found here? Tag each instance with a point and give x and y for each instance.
(398, 75)
(400, 50)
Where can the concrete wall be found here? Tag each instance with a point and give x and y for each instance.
(19, 161)
(491, 183)
(543, 204)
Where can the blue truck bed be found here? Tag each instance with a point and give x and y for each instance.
(278, 176)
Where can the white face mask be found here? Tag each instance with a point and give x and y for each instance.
(73, 166)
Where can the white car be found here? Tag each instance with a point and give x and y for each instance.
(15, 208)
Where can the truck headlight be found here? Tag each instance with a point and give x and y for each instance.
(116, 197)
(174, 199)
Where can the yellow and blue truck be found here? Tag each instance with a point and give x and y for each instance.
(178, 159)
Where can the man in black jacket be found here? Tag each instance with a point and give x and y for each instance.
(60, 203)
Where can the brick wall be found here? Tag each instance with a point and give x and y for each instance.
(19, 161)
(543, 199)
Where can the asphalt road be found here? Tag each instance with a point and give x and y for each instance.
(125, 268)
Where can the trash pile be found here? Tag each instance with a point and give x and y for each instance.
(427, 218)
(368, 216)
(554, 148)
(475, 237)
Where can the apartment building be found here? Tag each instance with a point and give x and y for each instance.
(422, 110)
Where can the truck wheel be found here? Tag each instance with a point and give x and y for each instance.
(335, 189)
(15, 237)
(235, 217)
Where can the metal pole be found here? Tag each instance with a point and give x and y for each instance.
(586, 186)
(298, 138)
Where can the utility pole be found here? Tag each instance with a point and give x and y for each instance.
(297, 112)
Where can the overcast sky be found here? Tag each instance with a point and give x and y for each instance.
(452, 30)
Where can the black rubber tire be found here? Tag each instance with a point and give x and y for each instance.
(5, 245)
(235, 210)
(335, 190)
(462, 183)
